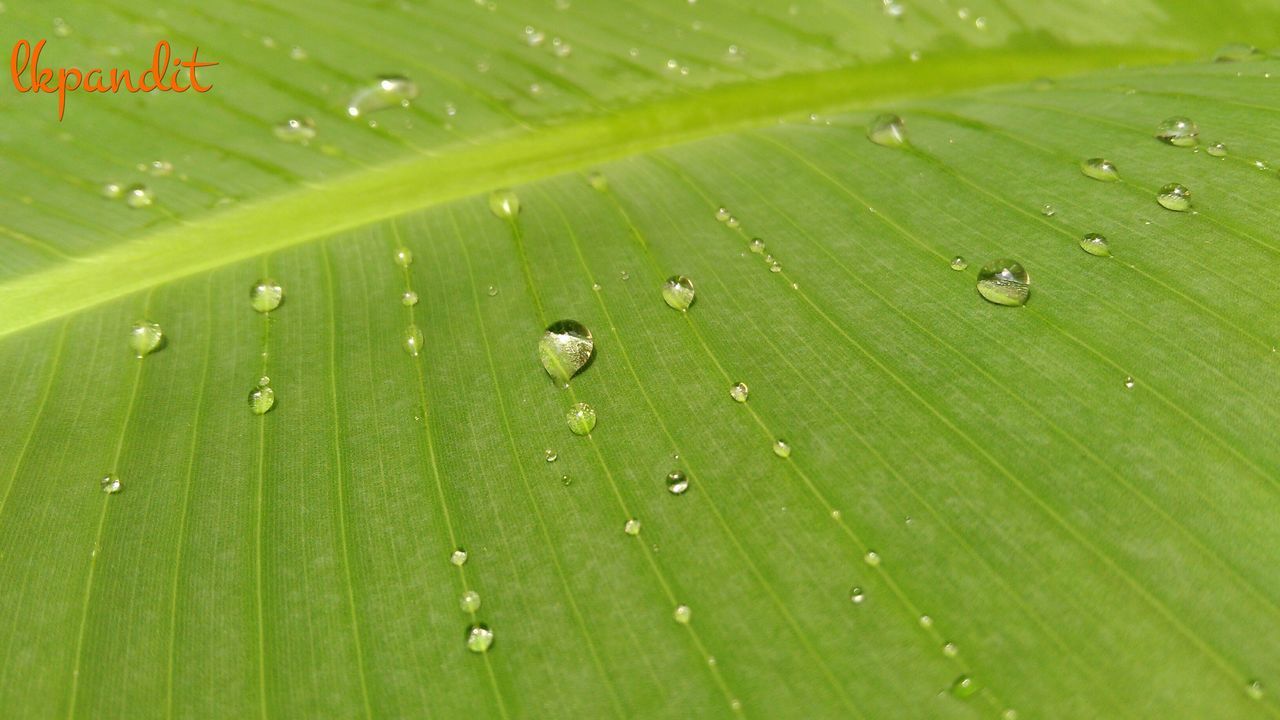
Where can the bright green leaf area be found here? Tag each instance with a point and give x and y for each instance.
(1061, 510)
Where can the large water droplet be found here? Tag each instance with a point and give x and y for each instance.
(677, 482)
(964, 687)
(887, 130)
(581, 418)
(139, 196)
(683, 614)
(262, 398)
(458, 557)
(1100, 169)
(632, 527)
(110, 484)
(413, 340)
(470, 601)
(266, 295)
(296, 130)
(504, 203)
(739, 392)
(781, 448)
(479, 638)
(1095, 244)
(678, 292)
(565, 349)
(145, 337)
(386, 92)
(1179, 131)
(1174, 197)
(1004, 282)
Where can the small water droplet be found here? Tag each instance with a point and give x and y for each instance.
(733, 222)
(964, 687)
(110, 484)
(1129, 382)
(413, 340)
(581, 418)
(1174, 197)
(112, 191)
(479, 638)
(596, 286)
(781, 448)
(892, 8)
(1100, 169)
(565, 480)
(872, 558)
(1095, 244)
(677, 482)
(1254, 689)
(262, 398)
(1004, 282)
(550, 455)
(296, 130)
(139, 196)
(756, 245)
(492, 291)
(958, 263)
(624, 275)
(678, 292)
(598, 181)
(887, 130)
(775, 267)
(683, 614)
(266, 295)
(533, 37)
(1217, 149)
(458, 557)
(632, 527)
(856, 596)
(1009, 714)
(409, 298)
(1178, 131)
(565, 349)
(470, 601)
(1048, 210)
(145, 337)
(297, 53)
(1237, 52)
(950, 649)
(739, 392)
(403, 257)
(504, 203)
(387, 91)
(926, 621)
(157, 168)
(722, 214)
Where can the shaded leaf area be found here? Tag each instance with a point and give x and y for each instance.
(1089, 549)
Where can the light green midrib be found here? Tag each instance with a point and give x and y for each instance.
(369, 195)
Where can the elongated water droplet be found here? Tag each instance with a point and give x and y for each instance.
(262, 398)
(266, 295)
(403, 257)
(781, 448)
(581, 418)
(139, 196)
(677, 482)
(458, 557)
(872, 558)
(678, 292)
(409, 298)
(145, 337)
(551, 455)
(565, 349)
(632, 527)
(479, 638)
(1179, 131)
(964, 687)
(1217, 150)
(683, 614)
(1095, 244)
(1048, 210)
(598, 181)
(739, 392)
(1174, 197)
(1254, 689)
(504, 203)
(887, 130)
(386, 92)
(413, 340)
(1100, 169)
(856, 596)
(958, 263)
(1004, 282)
(470, 601)
(756, 245)
(296, 130)
(110, 484)
(1238, 52)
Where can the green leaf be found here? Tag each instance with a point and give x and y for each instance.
(1064, 509)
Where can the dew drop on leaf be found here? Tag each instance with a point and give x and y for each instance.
(504, 203)
(409, 298)
(1129, 383)
(1237, 52)
(1178, 131)
(872, 558)
(926, 621)
(950, 649)
(1174, 197)
(1100, 169)
(678, 292)
(413, 340)
(157, 168)
(856, 596)
(963, 687)
(722, 214)
(139, 196)
(958, 263)
(262, 398)
(1004, 282)
(145, 337)
(677, 482)
(739, 392)
(632, 527)
(296, 130)
(403, 257)
(1048, 210)
(781, 448)
(1095, 244)
(386, 91)
(266, 295)
(887, 130)
(598, 181)
(565, 349)
(581, 418)
(1217, 150)
(479, 638)
(112, 190)
(683, 614)
(551, 455)
(110, 484)
(1254, 689)
(458, 557)
(470, 601)
(733, 222)
(756, 245)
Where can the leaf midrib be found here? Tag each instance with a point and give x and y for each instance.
(313, 211)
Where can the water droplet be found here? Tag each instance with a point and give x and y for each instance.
(470, 601)
(492, 291)
(110, 484)
(893, 9)
(872, 558)
(781, 448)
(598, 181)
(296, 130)
(964, 687)
(739, 392)
(950, 649)
(386, 92)
(1217, 150)
(112, 191)
(403, 257)
(262, 398)
(958, 263)
(1129, 382)
(632, 527)
(678, 292)
(565, 480)
(145, 337)
(560, 48)
(1004, 282)
(1009, 714)
(581, 418)
(266, 295)
(139, 196)
(1174, 197)
(926, 621)
(1254, 689)
(297, 53)
(722, 214)
(479, 638)
(565, 349)
(1100, 169)
(413, 340)
(458, 557)
(1095, 244)
(887, 130)
(677, 482)
(533, 37)
(856, 596)
(756, 245)
(775, 267)
(733, 222)
(1179, 131)
(157, 168)
(596, 286)
(409, 298)
(1048, 210)
(550, 455)
(683, 614)
(504, 203)
(1237, 52)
